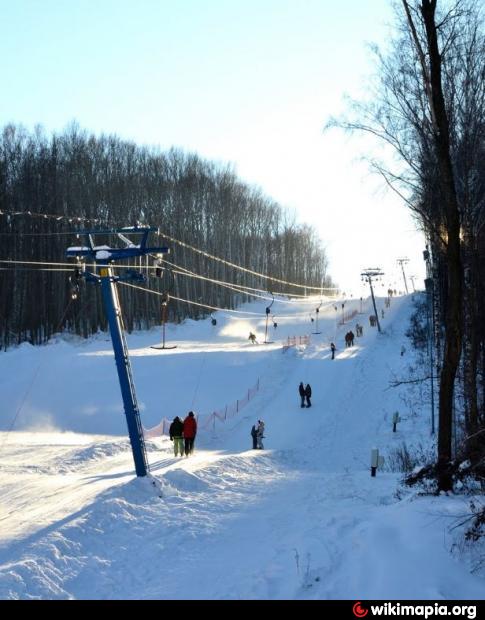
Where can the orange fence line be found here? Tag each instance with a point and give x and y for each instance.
(292, 341)
(204, 421)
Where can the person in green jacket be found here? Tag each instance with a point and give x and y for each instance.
(176, 435)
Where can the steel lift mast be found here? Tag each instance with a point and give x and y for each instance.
(103, 257)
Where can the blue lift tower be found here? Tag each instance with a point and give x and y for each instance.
(103, 257)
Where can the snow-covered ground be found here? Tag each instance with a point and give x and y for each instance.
(302, 519)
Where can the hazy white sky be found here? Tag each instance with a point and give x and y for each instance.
(246, 81)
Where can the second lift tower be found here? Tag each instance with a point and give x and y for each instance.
(367, 276)
(402, 262)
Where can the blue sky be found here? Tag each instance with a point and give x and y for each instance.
(245, 81)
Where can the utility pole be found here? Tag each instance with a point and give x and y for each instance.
(402, 262)
(103, 257)
(367, 276)
(412, 278)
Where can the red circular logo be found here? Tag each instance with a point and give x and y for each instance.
(359, 611)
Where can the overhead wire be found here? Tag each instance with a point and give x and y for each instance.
(52, 216)
(237, 287)
(36, 234)
(187, 301)
(39, 264)
(17, 269)
(240, 287)
(71, 219)
(248, 315)
(235, 266)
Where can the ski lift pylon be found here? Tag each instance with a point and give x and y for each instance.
(164, 303)
(317, 312)
(268, 312)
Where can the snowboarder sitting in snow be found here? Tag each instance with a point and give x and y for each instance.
(301, 390)
(190, 431)
(260, 435)
(254, 435)
(252, 338)
(308, 393)
(176, 435)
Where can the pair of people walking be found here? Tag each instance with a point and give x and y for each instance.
(257, 433)
(183, 434)
(349, 339)
(305, 394)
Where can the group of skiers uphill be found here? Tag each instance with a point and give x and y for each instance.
(183, 434)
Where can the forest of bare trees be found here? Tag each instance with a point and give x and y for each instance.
(428, 106)
(52, 186)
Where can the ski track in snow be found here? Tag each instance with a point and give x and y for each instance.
(301, 519)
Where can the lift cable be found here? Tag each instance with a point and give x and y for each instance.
(187, 301)
(184, 271)
(238, 287)
(254, 273)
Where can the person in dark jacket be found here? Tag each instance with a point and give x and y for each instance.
(254, 435)
(301, 390)
(176, 435)
(260, 435)
(190, 431)
(333, 349)
(308, 393)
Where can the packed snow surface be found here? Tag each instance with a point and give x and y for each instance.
(301, 519)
